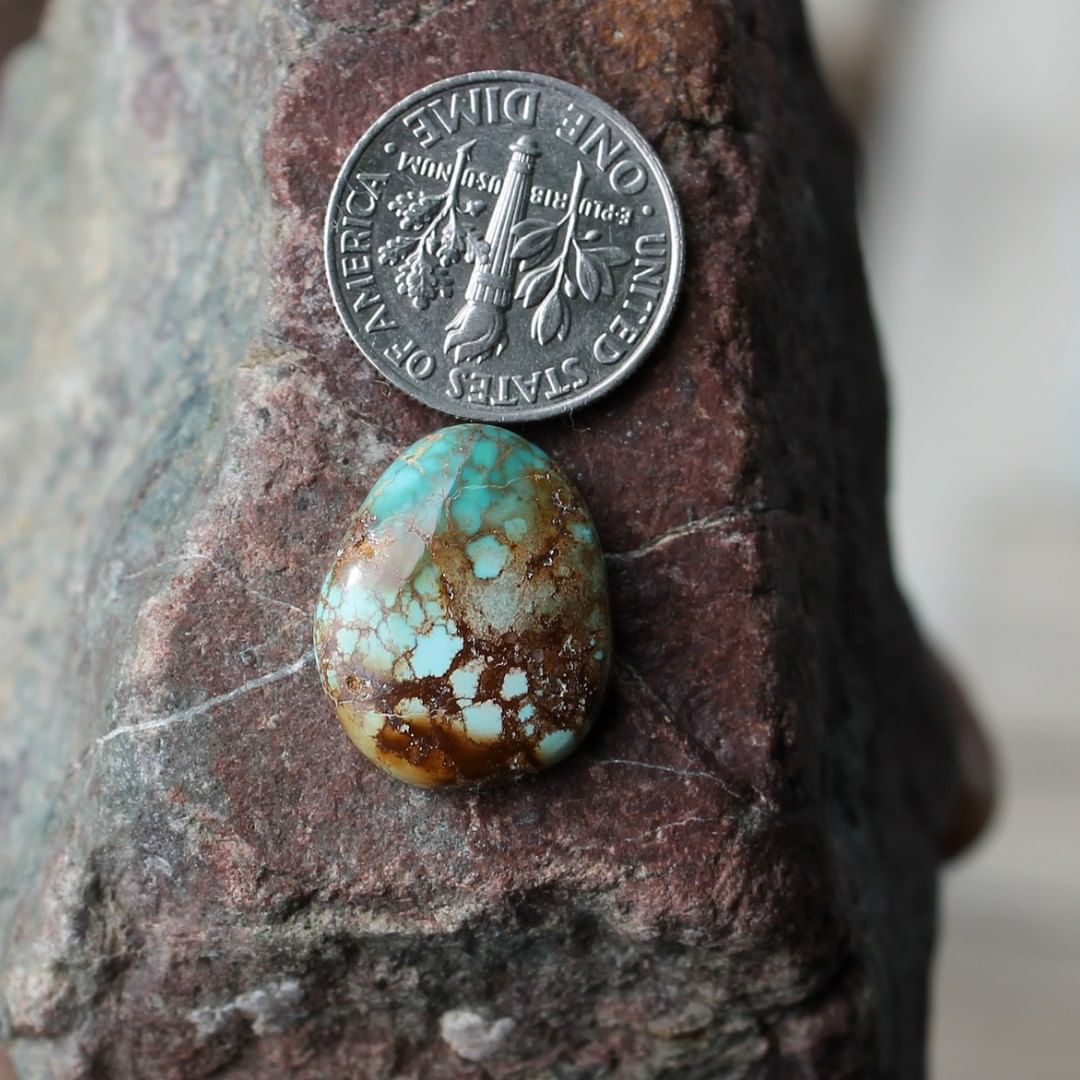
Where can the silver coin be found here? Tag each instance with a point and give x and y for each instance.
(503, 246)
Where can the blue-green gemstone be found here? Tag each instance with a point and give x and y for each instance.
(463, 630)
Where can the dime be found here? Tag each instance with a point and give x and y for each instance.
(503, 246)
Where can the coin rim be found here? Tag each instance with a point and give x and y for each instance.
(667, 304)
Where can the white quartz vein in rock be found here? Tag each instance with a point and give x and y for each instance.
(664, 768)
(223, 570)
(145, 727)
(690, 528)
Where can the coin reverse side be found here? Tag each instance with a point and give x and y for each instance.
(503, 246)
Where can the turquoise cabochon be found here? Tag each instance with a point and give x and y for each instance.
(463, 631)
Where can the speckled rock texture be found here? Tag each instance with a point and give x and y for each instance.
(733, 877)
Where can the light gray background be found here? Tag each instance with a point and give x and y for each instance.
(972, 221)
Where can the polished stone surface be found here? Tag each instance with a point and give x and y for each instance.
(463, 630)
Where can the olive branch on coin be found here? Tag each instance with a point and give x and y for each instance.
(423, 261)
(547, 285)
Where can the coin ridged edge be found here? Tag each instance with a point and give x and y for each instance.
(667, 306)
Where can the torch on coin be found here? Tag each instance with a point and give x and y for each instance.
(478, 331)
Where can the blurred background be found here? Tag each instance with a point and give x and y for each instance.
(969, 116)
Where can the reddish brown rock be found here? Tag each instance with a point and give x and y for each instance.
(733, 878)
(18, 20)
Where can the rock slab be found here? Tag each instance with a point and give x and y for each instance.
(734, 876)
